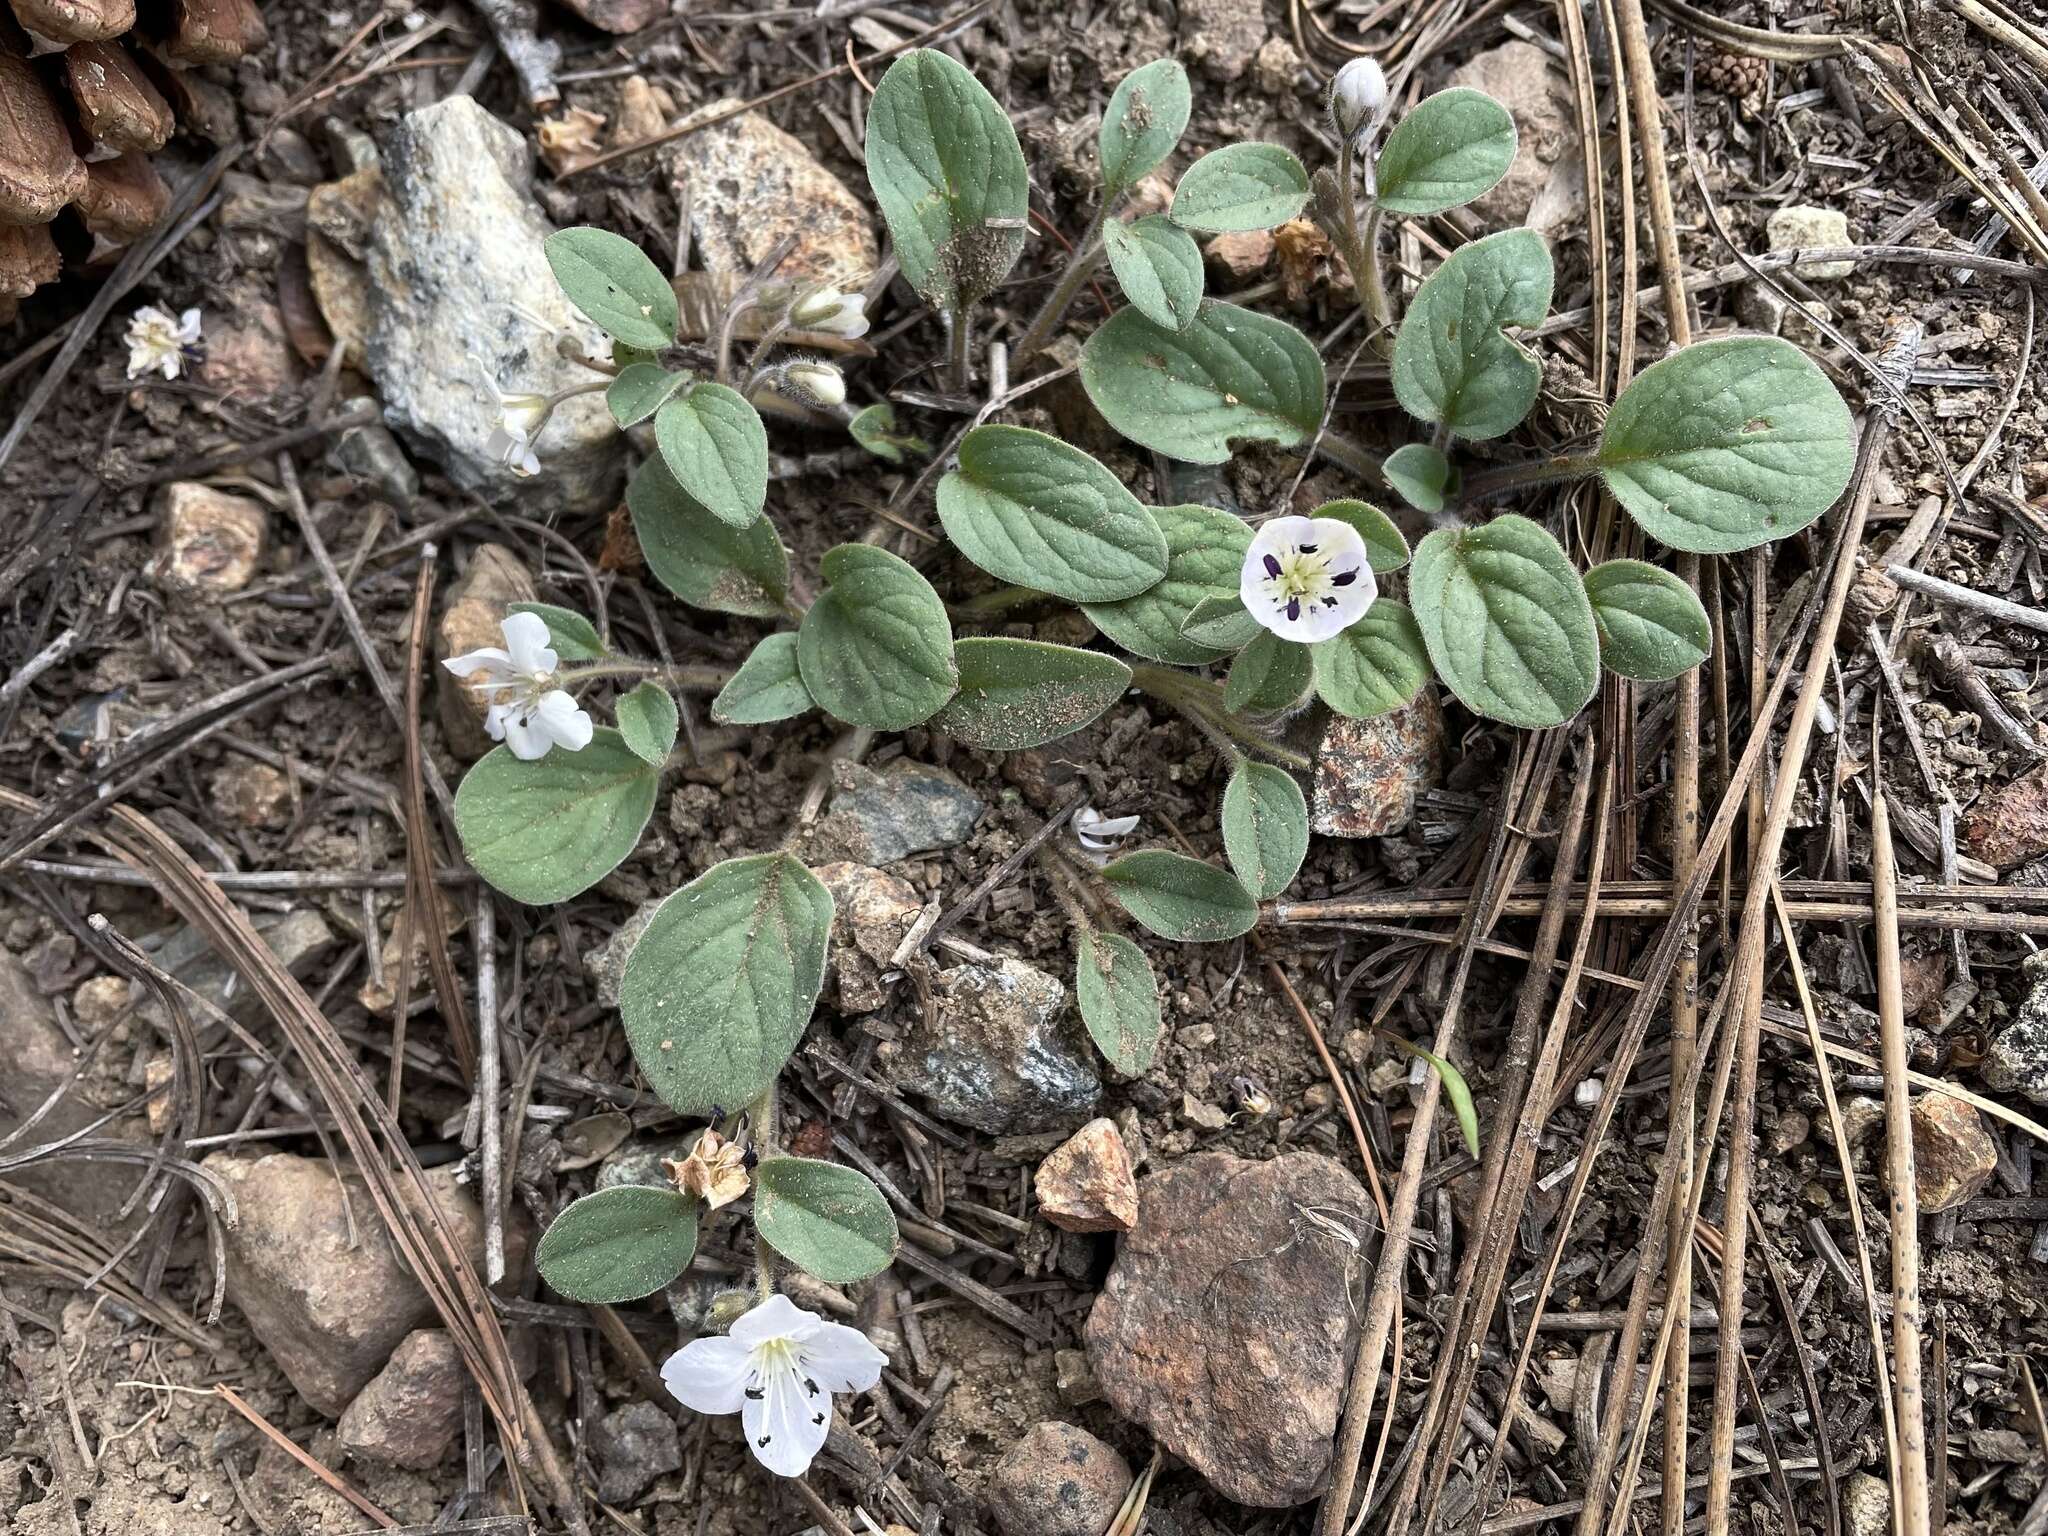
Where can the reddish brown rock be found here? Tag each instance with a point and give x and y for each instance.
(1368, 771)
(1227, 1323)
(872, 911)
(1058, 1480)
(2009, 826)
(1240, 256)
(1953, 1155)
(1086, 1183)
(620, 16)
(411, 1411)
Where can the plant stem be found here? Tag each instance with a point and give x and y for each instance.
(763, 1116)
(1515, 477)
(960, 353)
(1379, 310)
(1065, 889)
(1002, 600)
(698, 679)
(1196, 700)
(1087, 251)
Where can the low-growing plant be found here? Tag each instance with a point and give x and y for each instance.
(1719, 447)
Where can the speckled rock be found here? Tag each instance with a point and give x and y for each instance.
(750, 185)
(209, 542)
(2017, 1061)
(619, 15)
(474, 617)
(1222, 36)
(907, 808)
(1001, 1051)
(872, 911)
(634, 1445)
(1799, 225)
(1058, 1480)
(1866, 1505)
(1086, 1185)
(606, 965)
(1368, 771)
(1518, 76)
(2009, 826)
(1953, 1155)
(1227, 1323)
(411, 1411)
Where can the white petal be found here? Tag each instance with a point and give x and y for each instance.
(526, 637)
(529, 743)
(709, 1375)
(787, 1424)
(1337, 539)
(1318, 621)
(842, 1359)
(488, 660)
(1089, 821)
(495, 718)
(558, 715)
(776, 1318)
(188, 325)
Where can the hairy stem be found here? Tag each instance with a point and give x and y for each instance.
(1087, 251)
(763, 1116)
(1515, 477)
(960, 352)
(698, 679)
(1197, 701)
(1002, 600)
(1379, 310)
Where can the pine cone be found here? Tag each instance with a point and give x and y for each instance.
(86, 96)
(1737, 76)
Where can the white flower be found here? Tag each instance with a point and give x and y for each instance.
(1306, 578)
(514, 450)
(157, 343)
(527, 711)
(525, 414)
(832, 311)
(1097, 833)
(819, 383)
(777, 1369)
(1358, 98)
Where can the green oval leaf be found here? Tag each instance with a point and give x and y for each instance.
(648, 722)
(1031, 510)
(768, 686)
(611, 280)
(828, 1220)
(641, 389)
(714, 444)
(1181, 898)
(1023, 693)
(951, 180)
(1240, 187)
(1727, 445)
(1375, 666)
(1205, 550)
(1506, 621)
(571, 636)
(1119, 999)
(1265, 827)
(705, 561)
(1268, 676)
(875, 649)
(1454, 147)
(1158, 266)
(1144, 120)
(1452, 363)
(717, 991)
(1419, 475)
(546, 830)
(619, 1244)
(1385, 549)
(1231, 376)
(1652, 625)
(1222, 622)
(874, 428)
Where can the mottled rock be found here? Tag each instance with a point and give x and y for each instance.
(1953, 1155)
(1086, 1184)
(634, 1445)
(329, 1314)
(1240, 256)
(877, 818)
(1369, 771)
(2017, 1061)
(1222, 36)
(640, 1162)
(1866, 1505)
(1000, 1051)
(872, 911)
(606, 965)
(473, 618)
(1058, 1480)
(1800, 226)
(209, 542)
(251, 794)
(620, 16)
(1227, 1323)
(411, 1411)
(750, 186)
(249, 355)
(2009, 826)
(1517, 75)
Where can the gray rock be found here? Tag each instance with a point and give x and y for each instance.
(639, 1162)
(411, 1411)
(1001, 1052)
(1800, 226)
(371, 454)
(1518, 76)
(2017, 1061)
(1227, 1323)
(606, 965)
(634, 1445)
(457, 242)
(907, 808)
(1223, 36)
(1058, 1480)
(1368, 772)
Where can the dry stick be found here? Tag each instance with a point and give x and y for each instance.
(292, 1449)
(1910, 1481)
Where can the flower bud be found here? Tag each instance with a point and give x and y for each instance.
(831, 311)
(525, 414)
(1358, 97)
(819, 383)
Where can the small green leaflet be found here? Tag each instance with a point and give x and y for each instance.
(951, 180)
(1145, 119)
(1205, 549)
(571, 636)
(1454, 147)
(874, 428)
(546, 830)
(717, 991)
(1265, 827)
(1419, 475)
(1031, 510)
(1180, 898)
(1506, 621)
(828, 1220)
(1119, 999)
(1231, 376)
(640, 390)
(1222, 622)
(1375, 666)
(769, 686)
(876, 649)
(1158, 266)
(1455, 1089)
(1652, 625)
(1385, 549)
(611, 280)
(705, 561)
(1452, 362)
(1016, 694)
(648, 722)
(619, 1244)
(1728, 444)
(1268, 676)
(1240, 187)
(714, 444)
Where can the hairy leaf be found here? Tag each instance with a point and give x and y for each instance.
(1181, 898)
(1158, 266)
(611, 280)
(1652, 625)
(1119, 999)
(1016, 694)
(829, 1220)
(1205, 549)
(1265, 827)
(769, 686)
(714, 444)
(1374, 667)
(1454, 147)
(876, 649)
(619, 1244)
(1240, 187)
(1452, 363)
(546, 830)
(705, 561)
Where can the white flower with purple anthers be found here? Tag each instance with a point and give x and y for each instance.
(159, 342)
(527, 711)
(777, 1369)
(1306, 578)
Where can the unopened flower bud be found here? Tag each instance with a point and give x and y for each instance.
(1358, 97)
(831, 311)
(819, 383)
